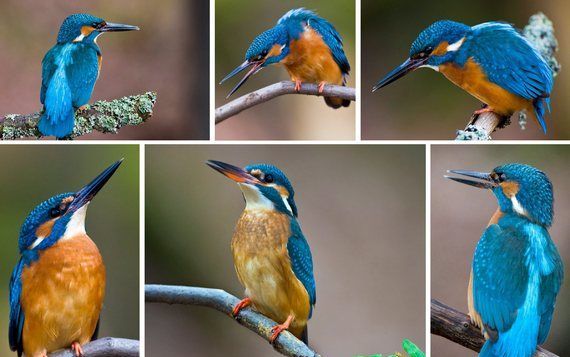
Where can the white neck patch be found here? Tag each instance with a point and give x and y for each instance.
(36, 242)
(79, 38)
(76, 225)
(455, 46)
(254, 199)
(517, 207)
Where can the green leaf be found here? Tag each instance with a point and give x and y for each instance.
(412, 349)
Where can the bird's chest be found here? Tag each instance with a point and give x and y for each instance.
(310, 60)
(62, 295)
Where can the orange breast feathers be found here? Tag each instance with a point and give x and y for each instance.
(262, 263)
(62, 296)
(473, 80)
(311, 60)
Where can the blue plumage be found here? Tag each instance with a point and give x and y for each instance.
(302, 261)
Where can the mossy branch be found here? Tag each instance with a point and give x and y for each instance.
(457, 327)
(278, 89)
(102, 116)
(217, 299)
(105, 347)
(540, 33)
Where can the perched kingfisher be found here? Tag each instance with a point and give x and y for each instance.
(70, 70)
(271, 256)
(517, 271)
(57, 287)
(307, 45)
(492, 61)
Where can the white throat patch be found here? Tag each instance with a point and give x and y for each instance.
(254, 199)
(76, 225)
(455, 46)
(435, 68)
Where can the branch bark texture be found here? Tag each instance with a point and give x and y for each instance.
(105, 347)
(217, 299)
(102, 116)
(540, 33)
(457, 327)
(278, 89)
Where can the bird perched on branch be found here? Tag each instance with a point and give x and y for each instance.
(307, 45)
(70, 70)
(492, 61)
(517, 270)
(57, 287)
(272, 257)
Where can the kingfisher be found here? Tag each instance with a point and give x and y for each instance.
(70, 70)
(516, 271)
(307, 45)
(492, 61)
(57, 287)
(272, 258)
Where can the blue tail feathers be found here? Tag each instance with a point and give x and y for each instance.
(539, 110)
(59, 114)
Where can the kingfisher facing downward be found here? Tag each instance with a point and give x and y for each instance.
(491, 61)
(57, 287)
(307, 45)
(271, 256)
(516, 272)
(70, 70)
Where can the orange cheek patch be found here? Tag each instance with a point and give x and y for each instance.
(86, 30)
(441, 49)
(275, 51)
(45, 229)
(510, 188)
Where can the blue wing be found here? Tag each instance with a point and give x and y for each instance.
(16, 313)
(549, 288)
(302, 261)
(83, 73)
(500, 277)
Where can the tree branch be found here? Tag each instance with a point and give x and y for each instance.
(105, 347)
(457, 327)
(102, 116)
(217, 299)
(540, 33)
(278, 89)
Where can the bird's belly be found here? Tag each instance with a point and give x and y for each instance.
(473, 80)
(263, 266)
(62, 296)
(311, 60)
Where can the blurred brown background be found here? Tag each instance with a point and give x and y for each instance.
(460, 215)
(290, 117)
(169, 55)
(34, 173)
(424, 104)
(362, 211)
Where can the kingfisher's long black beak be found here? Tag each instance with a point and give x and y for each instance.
(408, 66)
(256, 67)
(484, 179)
(112, 27)
(235, 173)
(86, 194)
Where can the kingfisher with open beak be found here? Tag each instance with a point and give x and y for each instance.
(57, 287)
(517, 271)
(271, 255)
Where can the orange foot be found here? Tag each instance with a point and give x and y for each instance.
(483, 110)
(83, 108)
(321, 87)
(277, 329)
(77, 350)
(297, 85)
(240, 305)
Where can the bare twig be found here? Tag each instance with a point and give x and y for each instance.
(275, 90)
(105, 347)
(457, 327)
(540, 33)
(102, 116)
(217, 299)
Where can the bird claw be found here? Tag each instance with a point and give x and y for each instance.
(483, 110)
(77, 349)
(83, 108)
(241, 305)
(321, 87)
(297, 85)
(277, 329)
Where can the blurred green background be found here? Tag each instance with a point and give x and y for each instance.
(461, 213)
(361, 209)
(169, 55)
(291, 117)
(34, 173)
(424, 104)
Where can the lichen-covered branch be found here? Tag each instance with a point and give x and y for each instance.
(103, 116)
(105, 347)
(278, 89)
(457, 327)
(540, 33)
(217, 299)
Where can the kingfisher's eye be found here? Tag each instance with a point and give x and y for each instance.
(54, 212)
(268, 178)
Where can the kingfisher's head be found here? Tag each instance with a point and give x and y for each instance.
(61, 216)
(436, 45)
(520, 189)
(86, 28)
(264, 186)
